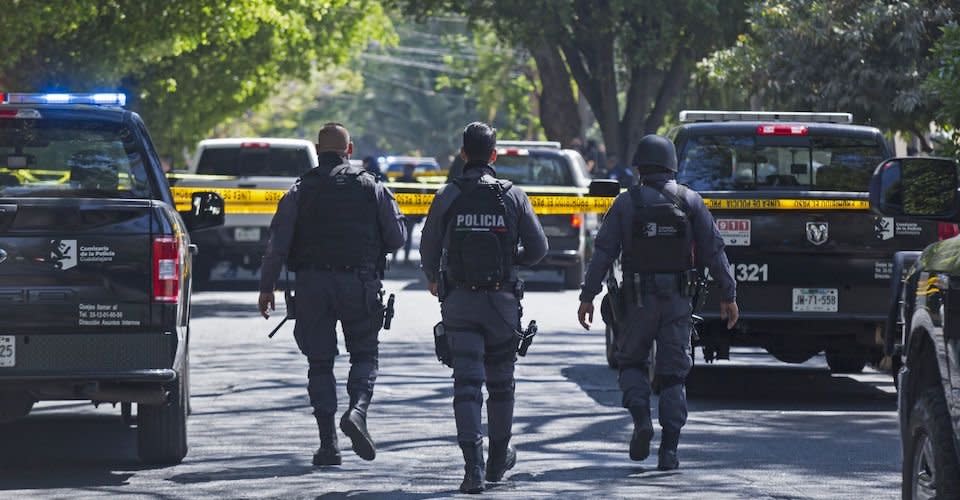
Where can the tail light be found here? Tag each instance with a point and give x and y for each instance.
(255, 145)
(166, 269)
(945, 230)
(782, 130)
(576, 221)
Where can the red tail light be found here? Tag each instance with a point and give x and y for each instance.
(781, 130)
(255, 145)
(945, 230)
(166, 269)
(576, 221)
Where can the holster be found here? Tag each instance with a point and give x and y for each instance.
(440, 345)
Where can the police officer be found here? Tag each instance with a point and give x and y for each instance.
(663, 231)
(333, 228)
(469, 250)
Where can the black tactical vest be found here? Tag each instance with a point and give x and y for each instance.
(337, 222)
(662, 240)
(482, 240)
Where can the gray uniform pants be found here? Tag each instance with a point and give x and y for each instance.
(323, 298)
(481, 331)
(666, 319)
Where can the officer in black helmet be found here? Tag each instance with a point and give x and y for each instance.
(663, 232)
(469, 250)
(334, 228)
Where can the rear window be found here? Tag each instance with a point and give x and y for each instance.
(247, 162)
(534, 170)
(740, 162)
(71, 158)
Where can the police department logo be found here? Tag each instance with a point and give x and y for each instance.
(650, 230)
(3, 256)
(818, 232)
(883, 228)
(63, 254)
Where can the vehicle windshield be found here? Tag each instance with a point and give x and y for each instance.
(534, 170)
(739, 162)
(247, 162)
(71, 158)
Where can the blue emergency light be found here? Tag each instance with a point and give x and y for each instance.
(103, 99)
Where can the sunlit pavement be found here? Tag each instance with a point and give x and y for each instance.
(758, 429)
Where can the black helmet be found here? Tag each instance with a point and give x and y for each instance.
(656, 151)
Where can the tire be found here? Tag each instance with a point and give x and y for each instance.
(573, 276)
(611, 348)
(162, 429)
(930, 468)
(845, 363)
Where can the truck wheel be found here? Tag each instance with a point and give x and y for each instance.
(14, 405)
(611, 349)
(930, 468)
(162, 429)
(573, 276)
(845, 362)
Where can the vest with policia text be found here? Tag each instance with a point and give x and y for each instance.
(662, 235)
(337, 224)
(481, 239)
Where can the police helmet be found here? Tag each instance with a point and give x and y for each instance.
(656, 151)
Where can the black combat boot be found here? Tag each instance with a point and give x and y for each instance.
(354, 425)
(329, 452)
(473, 467)
(502, 458)
(668, 451)
(642, 433)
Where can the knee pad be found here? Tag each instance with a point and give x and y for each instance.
(467, 390)
(501, 390)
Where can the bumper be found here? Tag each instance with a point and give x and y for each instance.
(158, 376)
(220, 244)
(560, 259)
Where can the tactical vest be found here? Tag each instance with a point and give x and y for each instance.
(337, 224)
(662, 240)
(481, 239)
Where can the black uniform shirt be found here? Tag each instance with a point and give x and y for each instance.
(615, 235)
(532, 239)
(393, 230)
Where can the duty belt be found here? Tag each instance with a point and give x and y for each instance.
(487, 287)
(654, 283)
(312, 266)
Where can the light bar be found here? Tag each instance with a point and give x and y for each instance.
(529, 144)
(103, 99)
(763, 116)
(513, 151)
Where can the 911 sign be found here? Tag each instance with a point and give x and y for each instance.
(735, 232)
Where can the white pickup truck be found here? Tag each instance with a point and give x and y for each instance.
(241, 165)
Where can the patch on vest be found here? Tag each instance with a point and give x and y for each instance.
(481, 222)
(653, 230)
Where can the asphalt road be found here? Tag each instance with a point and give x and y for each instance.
(758, 429)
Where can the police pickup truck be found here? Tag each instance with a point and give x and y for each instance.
(926, 323)
(95, 266)
(789, 193)
(242, 170)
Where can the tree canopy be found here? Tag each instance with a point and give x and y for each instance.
(186, 65)
(629, 58)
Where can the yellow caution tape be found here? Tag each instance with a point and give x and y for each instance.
(264, 201)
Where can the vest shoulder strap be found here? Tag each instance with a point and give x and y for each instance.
(679, 199)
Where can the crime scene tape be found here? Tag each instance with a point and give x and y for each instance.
(264, 201)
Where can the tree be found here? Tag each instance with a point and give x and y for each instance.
(944, 84)
(629, 58)
(185, 65)
(866, 57)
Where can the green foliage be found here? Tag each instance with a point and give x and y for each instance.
(499, 77)
(944, 84)
(186, 65)
(866, 57)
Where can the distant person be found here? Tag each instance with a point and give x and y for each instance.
(409, 171)
(334, 228)
(623, 174)
(371, 165)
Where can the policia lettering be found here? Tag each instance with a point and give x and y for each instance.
(481, 244)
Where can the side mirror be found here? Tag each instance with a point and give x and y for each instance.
(925, 188)
(206, 211)
(609, 188)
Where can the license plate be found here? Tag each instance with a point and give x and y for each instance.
(815, 299)
(246, 234)
(8, 351)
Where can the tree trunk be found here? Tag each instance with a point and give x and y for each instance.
(559, 114)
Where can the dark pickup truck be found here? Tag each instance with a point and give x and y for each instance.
(95, 266)
(925, 315)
